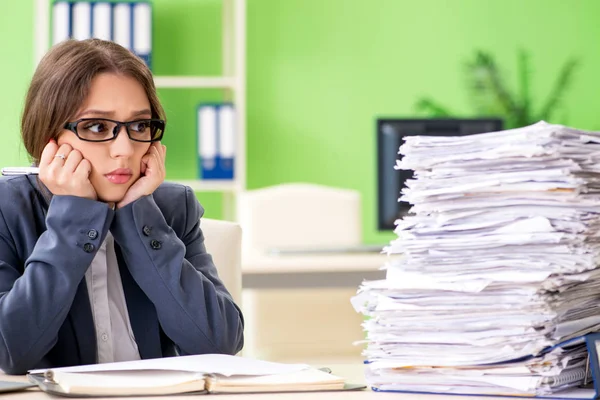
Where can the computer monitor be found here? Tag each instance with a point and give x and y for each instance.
(390, 135)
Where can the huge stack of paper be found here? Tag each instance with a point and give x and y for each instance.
(497, 276)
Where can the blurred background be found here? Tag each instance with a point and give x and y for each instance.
(316, 77)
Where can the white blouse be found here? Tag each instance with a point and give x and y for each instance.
(114, 336)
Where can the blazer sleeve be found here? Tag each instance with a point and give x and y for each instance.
(35, 297)
(194, 308)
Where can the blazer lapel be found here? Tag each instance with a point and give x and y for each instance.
(142, 314)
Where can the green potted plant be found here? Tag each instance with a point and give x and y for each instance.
(491, 97)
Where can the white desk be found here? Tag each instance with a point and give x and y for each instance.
(275, 284)
(311, 270)
(353, 373)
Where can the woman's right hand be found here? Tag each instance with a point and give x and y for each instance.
(64, 171)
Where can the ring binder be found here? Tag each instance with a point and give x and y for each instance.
(126, 23)
(216, 131)
(81, 14)
(61, 21)
(565, 378)
(102, 20)
(587, 369)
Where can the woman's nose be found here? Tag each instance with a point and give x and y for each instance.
(121, 145)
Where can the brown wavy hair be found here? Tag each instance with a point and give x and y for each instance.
(62, 81)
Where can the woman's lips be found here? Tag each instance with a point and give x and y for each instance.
(119, 176)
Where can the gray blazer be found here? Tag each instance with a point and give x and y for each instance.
(176, 302)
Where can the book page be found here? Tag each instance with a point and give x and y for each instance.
(308, 379)
(125, 383)
(205, 363)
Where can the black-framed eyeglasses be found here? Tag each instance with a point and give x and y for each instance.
(103, 130)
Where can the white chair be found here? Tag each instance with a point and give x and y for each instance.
(223, 241)
(299, 215)
(288, 324)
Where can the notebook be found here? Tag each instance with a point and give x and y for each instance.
(201, 374)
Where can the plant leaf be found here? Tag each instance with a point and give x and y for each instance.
(560, 86)
(488, 92)
(524, 85)
(432, 108)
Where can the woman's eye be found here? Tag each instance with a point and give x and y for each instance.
(139, 126)
(95, 127)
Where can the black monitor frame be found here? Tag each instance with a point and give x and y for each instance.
(413, 127)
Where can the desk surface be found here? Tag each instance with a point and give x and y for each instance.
(312, 271)
(353, 373)
(327, 262)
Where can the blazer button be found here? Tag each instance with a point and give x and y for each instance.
(147, 230)
(88, 247)
(155, 244)
(92, 234)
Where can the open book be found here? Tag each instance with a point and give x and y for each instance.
(210, 373)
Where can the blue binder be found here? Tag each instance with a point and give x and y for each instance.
(226, 140)
(216, 140)
(592, 342)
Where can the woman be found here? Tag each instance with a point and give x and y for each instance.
(100, 260)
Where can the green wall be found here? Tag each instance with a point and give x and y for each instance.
(321, 71)
(16, 69)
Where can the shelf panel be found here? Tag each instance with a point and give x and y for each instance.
(198, 82)
(199, 185)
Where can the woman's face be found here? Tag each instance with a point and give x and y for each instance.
(115, 164)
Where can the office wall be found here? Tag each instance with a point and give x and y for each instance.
(320, 71)
(15, 71)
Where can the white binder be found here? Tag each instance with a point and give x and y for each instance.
(142, 31)
(81, 20)
(207, 139)
(61, 21)
(122, 24)
(102, 21)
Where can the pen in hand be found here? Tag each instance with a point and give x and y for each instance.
(20, 171)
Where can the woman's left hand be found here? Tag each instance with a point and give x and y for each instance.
(152, 174)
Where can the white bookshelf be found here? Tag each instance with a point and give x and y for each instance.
(194, 82)
(198, 185)
(232, 81)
